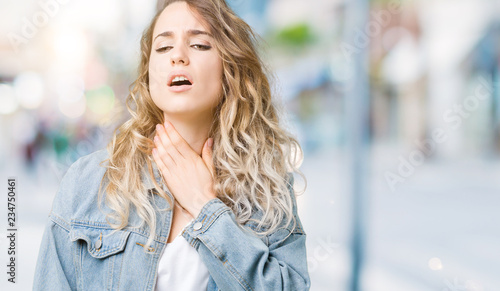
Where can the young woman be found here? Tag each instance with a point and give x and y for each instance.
(195, 190)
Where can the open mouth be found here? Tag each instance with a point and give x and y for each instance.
(179, 81)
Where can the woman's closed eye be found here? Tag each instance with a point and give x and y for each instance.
(201, 47)
(162, 49)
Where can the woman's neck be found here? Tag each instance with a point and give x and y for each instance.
(195, 133)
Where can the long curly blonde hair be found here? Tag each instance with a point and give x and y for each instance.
(253, 154)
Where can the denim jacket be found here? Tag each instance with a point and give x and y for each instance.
(78, 251)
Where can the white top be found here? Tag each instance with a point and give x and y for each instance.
(180, 267)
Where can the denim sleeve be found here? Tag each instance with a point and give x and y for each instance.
(54, 268)
(238, 260)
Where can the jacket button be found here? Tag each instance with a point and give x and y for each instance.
(97, 244)
(197, 226)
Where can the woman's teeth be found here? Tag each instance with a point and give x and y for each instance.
(179, 81)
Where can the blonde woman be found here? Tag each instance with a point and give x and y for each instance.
(195, 190)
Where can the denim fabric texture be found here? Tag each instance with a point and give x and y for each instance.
(80, 252)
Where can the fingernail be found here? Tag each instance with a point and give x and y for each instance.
(210, 142)
(157, 127)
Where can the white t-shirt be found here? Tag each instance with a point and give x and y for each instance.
(181, 267)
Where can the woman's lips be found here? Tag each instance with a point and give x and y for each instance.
(180, 88)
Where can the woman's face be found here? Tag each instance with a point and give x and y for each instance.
(185, 70)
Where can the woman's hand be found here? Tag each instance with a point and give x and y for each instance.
(188, 176)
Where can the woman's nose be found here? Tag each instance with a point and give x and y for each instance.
(179, 56)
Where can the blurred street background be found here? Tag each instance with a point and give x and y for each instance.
(395, 102)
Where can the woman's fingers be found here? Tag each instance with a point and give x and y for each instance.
(174, 143)
(159, 162)
(162, 135)
(163, 154)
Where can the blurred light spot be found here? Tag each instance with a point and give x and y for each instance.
(105, 19)
(101, 100)
(404, 63)
(29, 89)
(7, 99)
(70, 89)
(71, 47)
(72, 109)
(435, 264)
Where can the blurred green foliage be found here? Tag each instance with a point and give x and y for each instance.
(297, 35)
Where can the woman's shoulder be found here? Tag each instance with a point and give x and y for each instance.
(76, 196)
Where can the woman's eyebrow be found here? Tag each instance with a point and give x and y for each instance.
(190, 32)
